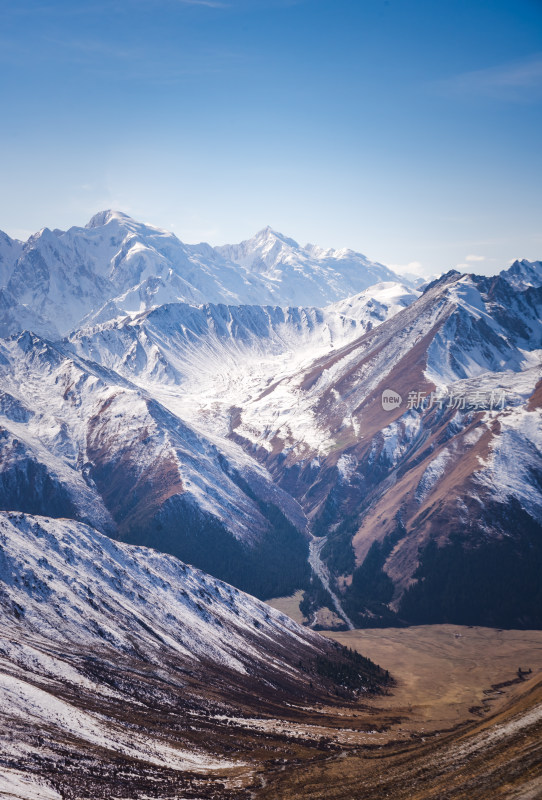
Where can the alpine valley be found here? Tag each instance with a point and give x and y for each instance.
(187, 431)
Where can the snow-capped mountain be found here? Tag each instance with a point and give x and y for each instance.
(119, 263)
(463, 327)
(119, 426)
(282, 417)
(460, 455)
(78, 440)
(122, 668)
(250, 438)
(306, 275)
(523, 274)
(115, 265)
(216, 352)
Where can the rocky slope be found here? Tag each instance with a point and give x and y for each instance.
(430, 507)
(124, 670)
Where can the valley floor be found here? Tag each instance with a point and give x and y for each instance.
(466, 726)
(444, 673)
(498, 758)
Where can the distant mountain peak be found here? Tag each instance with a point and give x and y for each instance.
(116, 263)
(523, 273)
(521, 263)
(270, 234)
(104, 217)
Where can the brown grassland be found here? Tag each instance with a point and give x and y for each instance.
(459, 724)
(443, 671)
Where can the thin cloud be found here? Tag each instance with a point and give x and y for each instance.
(475, 258)
(516, 80)
(412, 268)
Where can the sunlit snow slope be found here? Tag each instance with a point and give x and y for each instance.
(121, 667)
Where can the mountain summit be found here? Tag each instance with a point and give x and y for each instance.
(104, 217)
(308, 275)
(115, 265)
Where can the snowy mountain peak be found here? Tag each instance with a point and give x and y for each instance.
(307, 275)
(443, 280)
(104, 217)
(263, 251)
(44, 236)
(269, 234)
(116, 265)
(523, 274)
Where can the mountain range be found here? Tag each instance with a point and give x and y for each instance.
(178, 397)
(115, 266)
(280, 417)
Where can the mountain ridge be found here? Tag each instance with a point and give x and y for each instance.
(116, 265)
(251, 439)
(125, 670)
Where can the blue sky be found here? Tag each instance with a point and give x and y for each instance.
(409, 130)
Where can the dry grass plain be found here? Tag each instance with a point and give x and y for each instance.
(458, 725)
(289, 606)
(325, 617)
(442, 671)
(498, 758)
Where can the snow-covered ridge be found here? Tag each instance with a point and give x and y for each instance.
(118, 655)
(113, 652)
(70, 583)
(523, 273)
(116, 265)
(227, 353)
(65, 420)
(322, 430)
(310, 275)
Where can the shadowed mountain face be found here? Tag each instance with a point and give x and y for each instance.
(252, 440)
